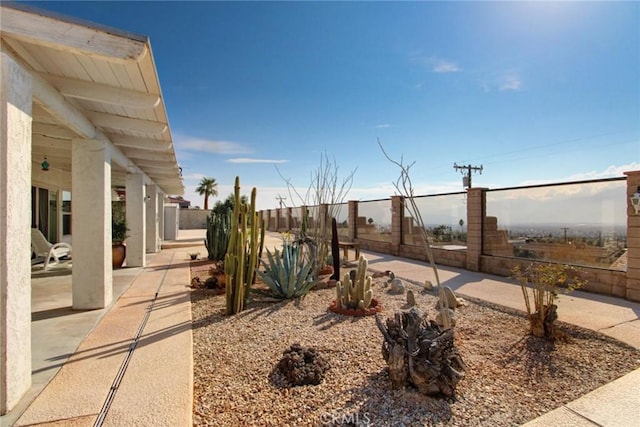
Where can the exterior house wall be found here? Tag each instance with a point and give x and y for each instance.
(193, 219)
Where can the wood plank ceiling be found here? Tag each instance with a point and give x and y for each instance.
(105, 75)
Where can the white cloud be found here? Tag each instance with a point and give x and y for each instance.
(511, 82)
(193, 177)
(382, 126)
(249, 160)
(610, 172)
(187, 143)
(444, 66)
(435, 64)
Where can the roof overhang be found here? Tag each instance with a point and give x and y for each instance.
(92, 82)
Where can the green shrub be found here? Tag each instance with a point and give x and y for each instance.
(542, 283)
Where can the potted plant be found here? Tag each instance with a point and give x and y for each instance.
(118, 234)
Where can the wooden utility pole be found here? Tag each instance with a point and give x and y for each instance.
(466, 171)
(281, 200)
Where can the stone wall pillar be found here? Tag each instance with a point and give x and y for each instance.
(15, 232)
(633, 239)
(353, 217)
(397, 213)
(278, 219)
(476, 211)
(91, 191)
(267, 220)
(288, 220)
(324, 221)
(136, 221)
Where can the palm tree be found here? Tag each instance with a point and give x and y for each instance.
(208, 187)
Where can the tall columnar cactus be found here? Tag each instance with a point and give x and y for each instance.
(218, 235)
(335, 250)
(352, 294)
(245, 246)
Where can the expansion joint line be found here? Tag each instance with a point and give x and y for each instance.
(583, 417)
(132, 347)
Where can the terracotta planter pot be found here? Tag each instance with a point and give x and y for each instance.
(119, 253)
(325, 282)
(376, 307)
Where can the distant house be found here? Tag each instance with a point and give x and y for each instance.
(184, 204)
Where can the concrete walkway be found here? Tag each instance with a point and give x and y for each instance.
(132, 365)
(128, 365)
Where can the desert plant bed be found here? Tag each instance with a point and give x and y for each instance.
(510, 377)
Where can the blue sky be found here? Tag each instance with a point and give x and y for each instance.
(535, 92)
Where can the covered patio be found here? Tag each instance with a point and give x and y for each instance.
(81, 117)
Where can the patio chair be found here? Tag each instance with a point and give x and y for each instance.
(42, 248)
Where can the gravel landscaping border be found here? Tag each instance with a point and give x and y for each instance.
(511, 378)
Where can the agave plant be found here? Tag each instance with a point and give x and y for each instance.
(287, 273)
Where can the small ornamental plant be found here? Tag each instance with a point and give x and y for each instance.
(302, 366)
(541, 284)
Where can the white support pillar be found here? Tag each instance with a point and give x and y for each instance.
(92, 280)
(152, 219)
(15, 218)
(136, 242)
(161, 216)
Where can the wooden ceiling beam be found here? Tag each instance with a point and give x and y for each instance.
(91, 91)
(134, 154)
(63, 111)
(52, 130)
(147, 144)
(126, 124)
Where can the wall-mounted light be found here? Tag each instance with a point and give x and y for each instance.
(635, 201)
(45, 164)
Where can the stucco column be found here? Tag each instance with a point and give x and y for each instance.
(136, 221)
(15, 234)
(633, 239)
(91, 223)
(476, 211)
(160, 203)
(152, 219)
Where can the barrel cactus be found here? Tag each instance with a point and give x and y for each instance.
(355, 292)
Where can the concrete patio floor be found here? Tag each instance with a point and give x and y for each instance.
(78, 356)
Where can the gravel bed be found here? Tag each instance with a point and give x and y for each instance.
(510, 378)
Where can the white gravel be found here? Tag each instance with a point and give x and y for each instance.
(510, 379)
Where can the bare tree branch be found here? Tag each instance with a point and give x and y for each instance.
(404, 187)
